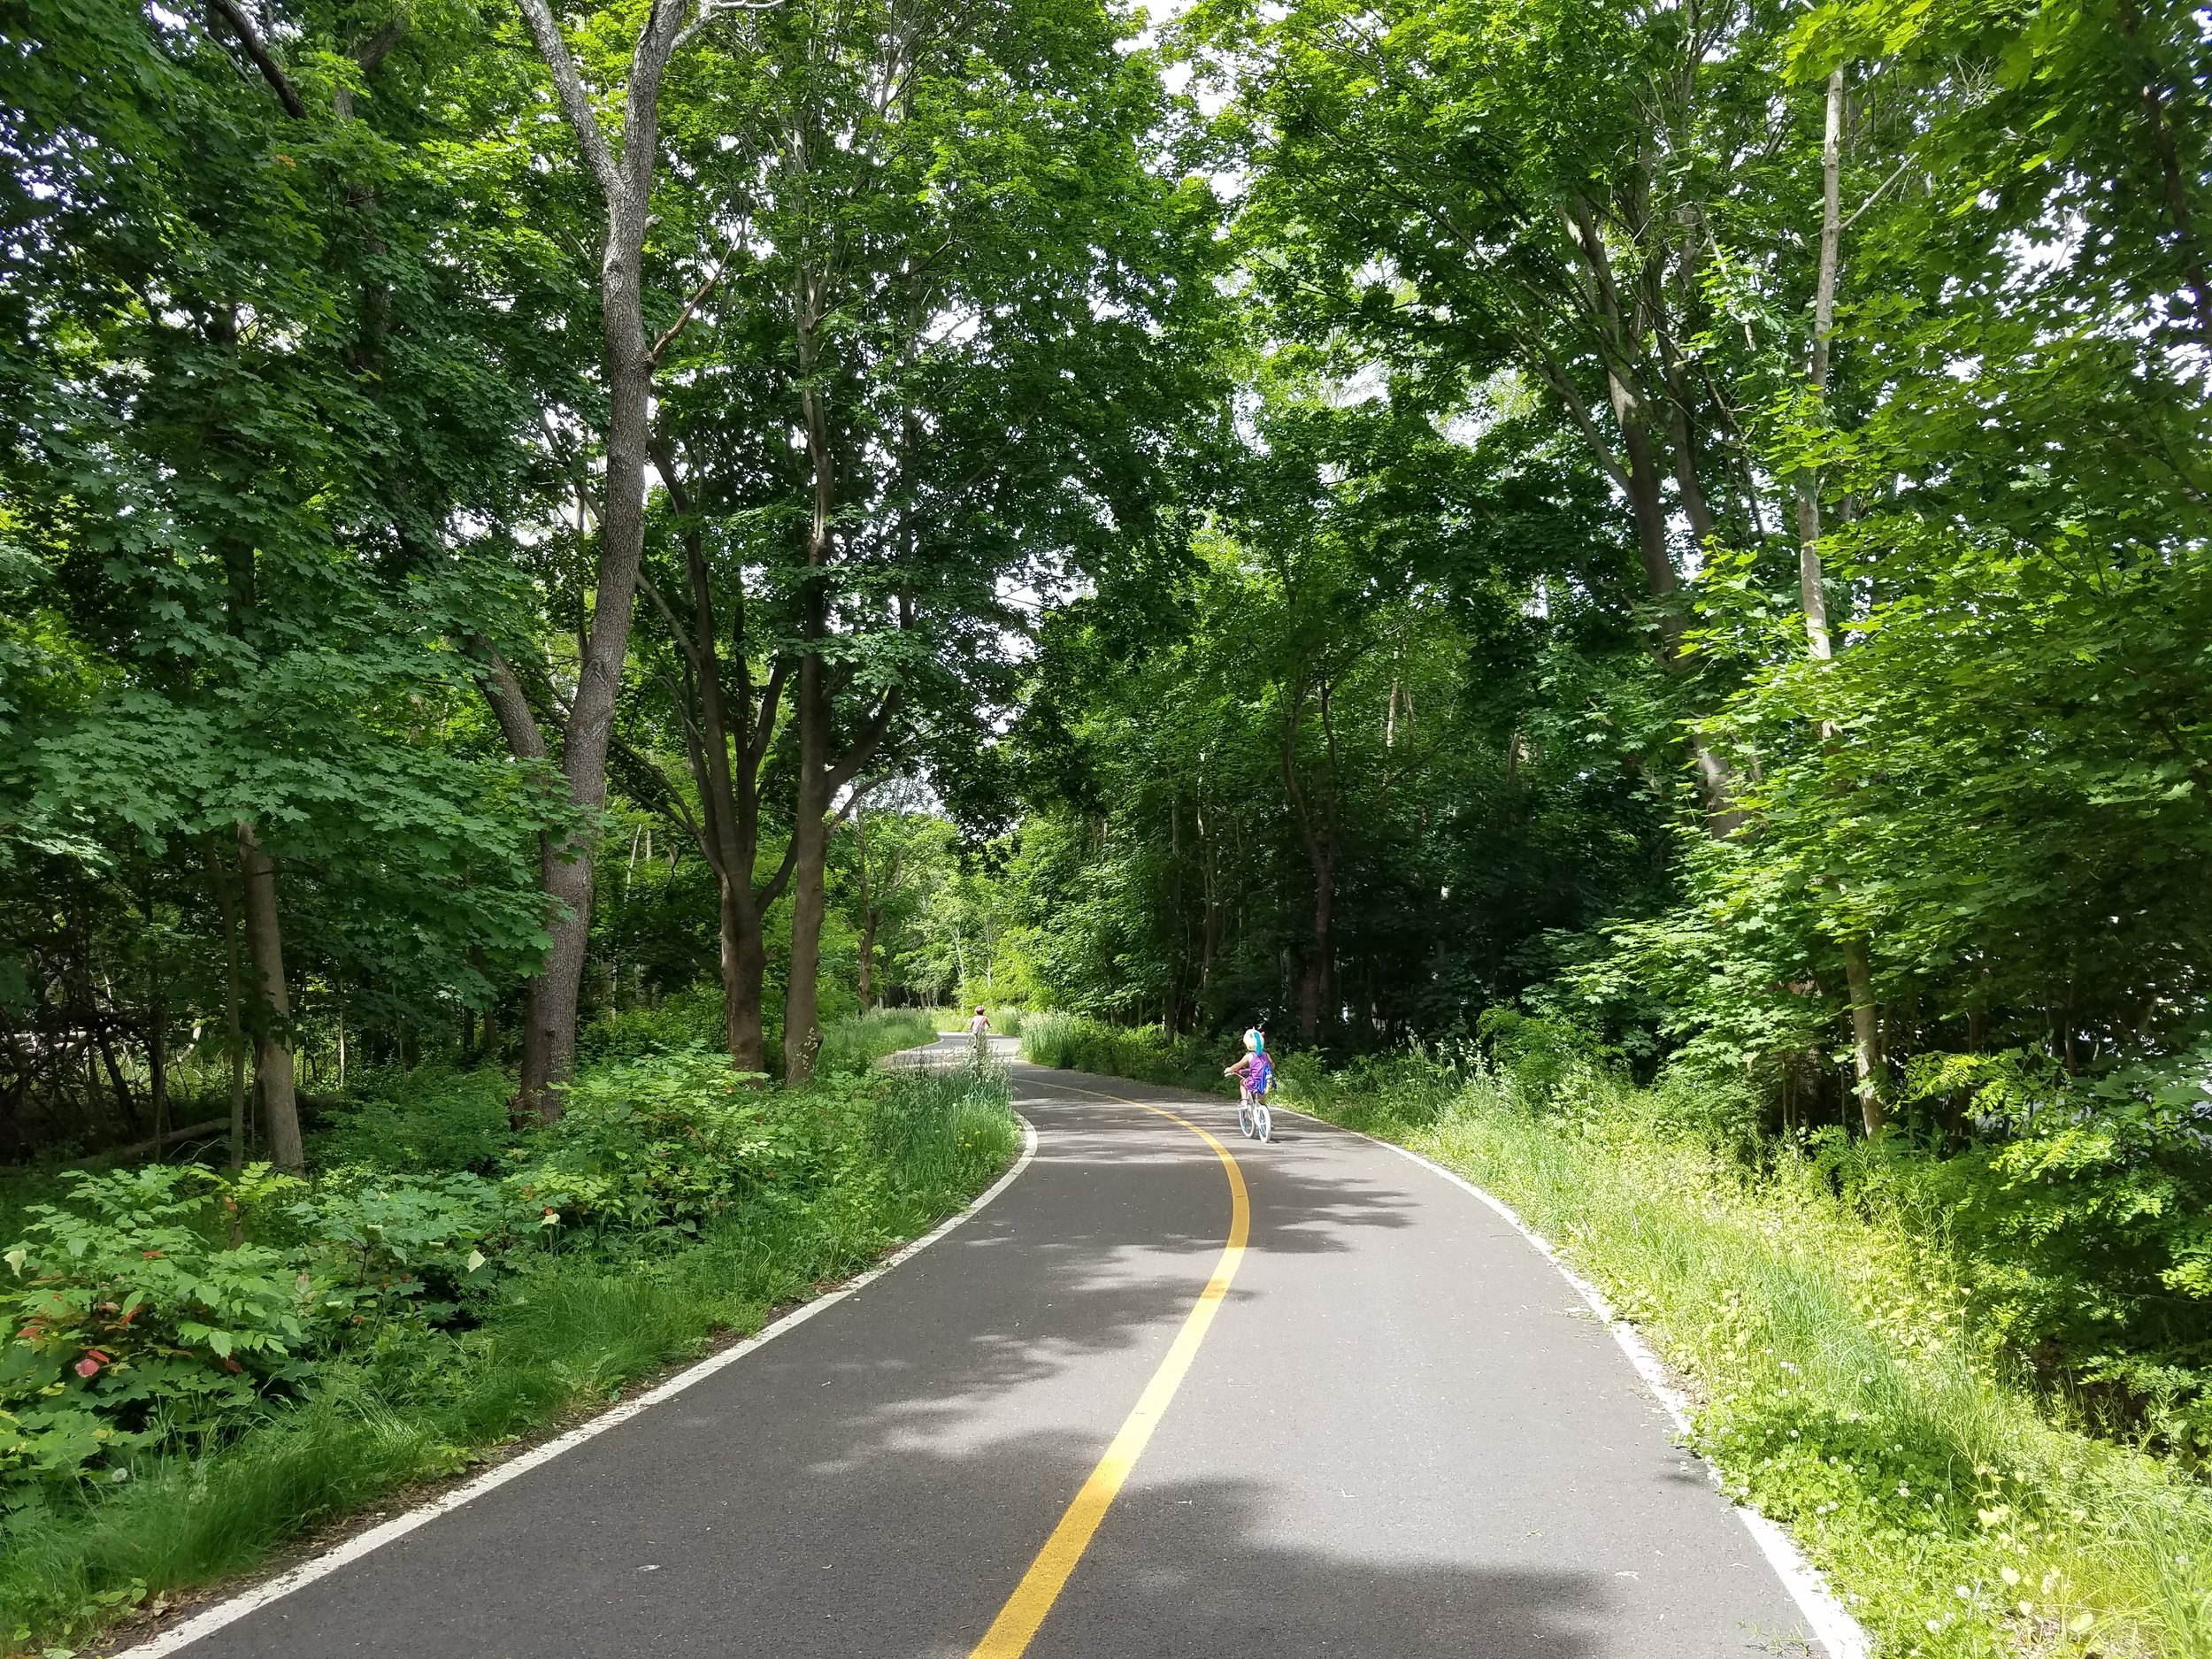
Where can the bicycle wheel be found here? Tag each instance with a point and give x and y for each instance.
(1264, 1122)
(1244, 1120)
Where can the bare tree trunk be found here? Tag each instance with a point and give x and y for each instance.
(272, 1006)
(820, 778)
(726, 746)
(625, 180)
(1867, 1058)
(1313, 985)
(1319, 833)
(157, 1062)
(744, 971)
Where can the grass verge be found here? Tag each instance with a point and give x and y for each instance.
(1077, 1043)
(430, 1406)
(1960, 1517)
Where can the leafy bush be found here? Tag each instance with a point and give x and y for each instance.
(689, 1018)
(382, 1393)
(2078, 1222)
(133, 1320)
(434, 1118)
(1049, 1038)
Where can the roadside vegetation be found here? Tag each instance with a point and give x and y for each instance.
(205, 1365)
(1076, 1042)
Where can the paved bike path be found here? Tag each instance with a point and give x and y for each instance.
(1404, 1437)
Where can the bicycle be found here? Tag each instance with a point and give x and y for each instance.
(1255, 1121)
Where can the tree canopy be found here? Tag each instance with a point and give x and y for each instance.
(1686, 519)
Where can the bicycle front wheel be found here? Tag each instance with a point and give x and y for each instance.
(1244, 1121)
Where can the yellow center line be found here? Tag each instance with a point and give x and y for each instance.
(1019, 1621)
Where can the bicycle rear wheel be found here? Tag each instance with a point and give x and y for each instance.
(1264, 1122)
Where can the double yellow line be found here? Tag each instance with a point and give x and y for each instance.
(1017, 1622)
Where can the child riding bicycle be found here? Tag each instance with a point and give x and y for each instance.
(1255, 1076)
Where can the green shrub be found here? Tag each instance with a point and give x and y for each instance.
(2078, 1224)
(672, 1141)
(434, 1118)
(134, 1321)
(689, 1018)
(139, 1325)
(1076, 1042)
(1048, 1038)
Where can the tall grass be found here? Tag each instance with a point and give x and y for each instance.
(1077, 1043)
(1049, 1038)
(858, 1040)
(1841, 1390)
(433, 1404)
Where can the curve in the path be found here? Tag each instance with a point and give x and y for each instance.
(1404, 1437)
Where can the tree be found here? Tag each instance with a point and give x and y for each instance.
(1410, 649)
(959, 280)
(244, 402)
(1525, 183)
(622, 174)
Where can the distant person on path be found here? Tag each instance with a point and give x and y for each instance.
(980, 1028)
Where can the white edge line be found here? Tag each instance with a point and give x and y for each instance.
(228, 1612)
(1839, 1633)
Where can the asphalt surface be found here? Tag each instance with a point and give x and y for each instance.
(1404, 1437)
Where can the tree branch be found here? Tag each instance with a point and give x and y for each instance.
(257, 49)
(863, 748)
(510, 707)
(764, 722)
(575, 102)
(367, 56)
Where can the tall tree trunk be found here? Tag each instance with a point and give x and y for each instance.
(1621, 326)
(158, 1062)
(744, 972)
(233, 1024)
(1313, 985)
(272, 1005)
(1869, 1062)
(869, 916)
(726, 746)
(821, 776)
(810, 842)
(1319, 833)
(625, 178)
